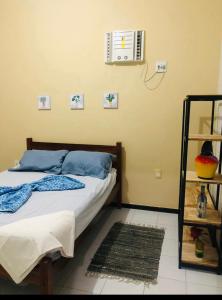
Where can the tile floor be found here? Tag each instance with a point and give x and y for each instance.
(171, 280)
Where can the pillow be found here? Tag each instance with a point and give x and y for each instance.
(42, 161)
(87, 163)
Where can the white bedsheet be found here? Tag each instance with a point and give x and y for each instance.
(85, 203)
(24, 243)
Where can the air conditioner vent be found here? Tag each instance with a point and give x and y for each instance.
(139, 45)
(124, 46)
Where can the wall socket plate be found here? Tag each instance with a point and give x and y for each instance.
(161, 66)
(158, 173)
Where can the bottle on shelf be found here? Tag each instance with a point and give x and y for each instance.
(196, 234)
(202, 203)
(199, 247)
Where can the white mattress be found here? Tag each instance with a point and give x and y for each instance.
(84, 202)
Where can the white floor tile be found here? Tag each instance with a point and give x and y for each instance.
(147, 213)
(219, 281)
(171, 232)
(201, 289)
(116, 287)
(198, 277)
(78, 280)
(168, 219)
(166, 287)
(121, 215)
(168, 268)
(219, 289)
(141, 217)
(170, 247)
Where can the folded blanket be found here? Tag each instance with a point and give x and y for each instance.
(12, 198)
(24, 243)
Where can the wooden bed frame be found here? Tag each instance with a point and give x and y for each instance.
(42, 274)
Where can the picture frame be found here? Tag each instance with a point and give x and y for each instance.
(77, 101)
(110, 100)
(44, 102)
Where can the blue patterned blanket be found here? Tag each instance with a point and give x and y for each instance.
(12, 198)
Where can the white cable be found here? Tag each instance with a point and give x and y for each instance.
(146, 80)
(151, 77)
(156, 87)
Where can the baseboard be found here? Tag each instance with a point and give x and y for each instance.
(151, 208)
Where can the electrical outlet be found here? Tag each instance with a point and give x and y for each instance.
(158, 173)
(161, 66)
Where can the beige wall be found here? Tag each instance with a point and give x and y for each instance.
(57, 47)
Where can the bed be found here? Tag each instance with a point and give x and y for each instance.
(99, 193)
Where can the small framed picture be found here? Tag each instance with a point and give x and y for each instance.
(44, 102)
(77, 101)
(110, 100)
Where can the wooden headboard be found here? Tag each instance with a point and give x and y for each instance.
(116, 150)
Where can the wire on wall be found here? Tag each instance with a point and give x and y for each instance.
(147, 80)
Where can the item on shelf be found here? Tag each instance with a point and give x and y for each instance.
(195, 232)
(206, 163)
(199, 244)
(199, 248)
(202, 203)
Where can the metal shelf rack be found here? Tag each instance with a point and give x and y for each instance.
(189, 189)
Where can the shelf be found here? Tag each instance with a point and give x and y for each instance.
(205, 137)
(190, 186)
(192, 177)
(191, 195)
(212, 215)
(210, 258)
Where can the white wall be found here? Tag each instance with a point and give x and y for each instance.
(220, 76)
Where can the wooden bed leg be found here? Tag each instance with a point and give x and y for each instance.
(119, 205)
(46, 276)
(119, 174)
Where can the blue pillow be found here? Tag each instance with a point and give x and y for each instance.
(87, 163)
(42, 161)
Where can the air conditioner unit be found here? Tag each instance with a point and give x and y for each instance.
(124, 46)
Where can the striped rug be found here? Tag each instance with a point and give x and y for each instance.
(129, 251)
